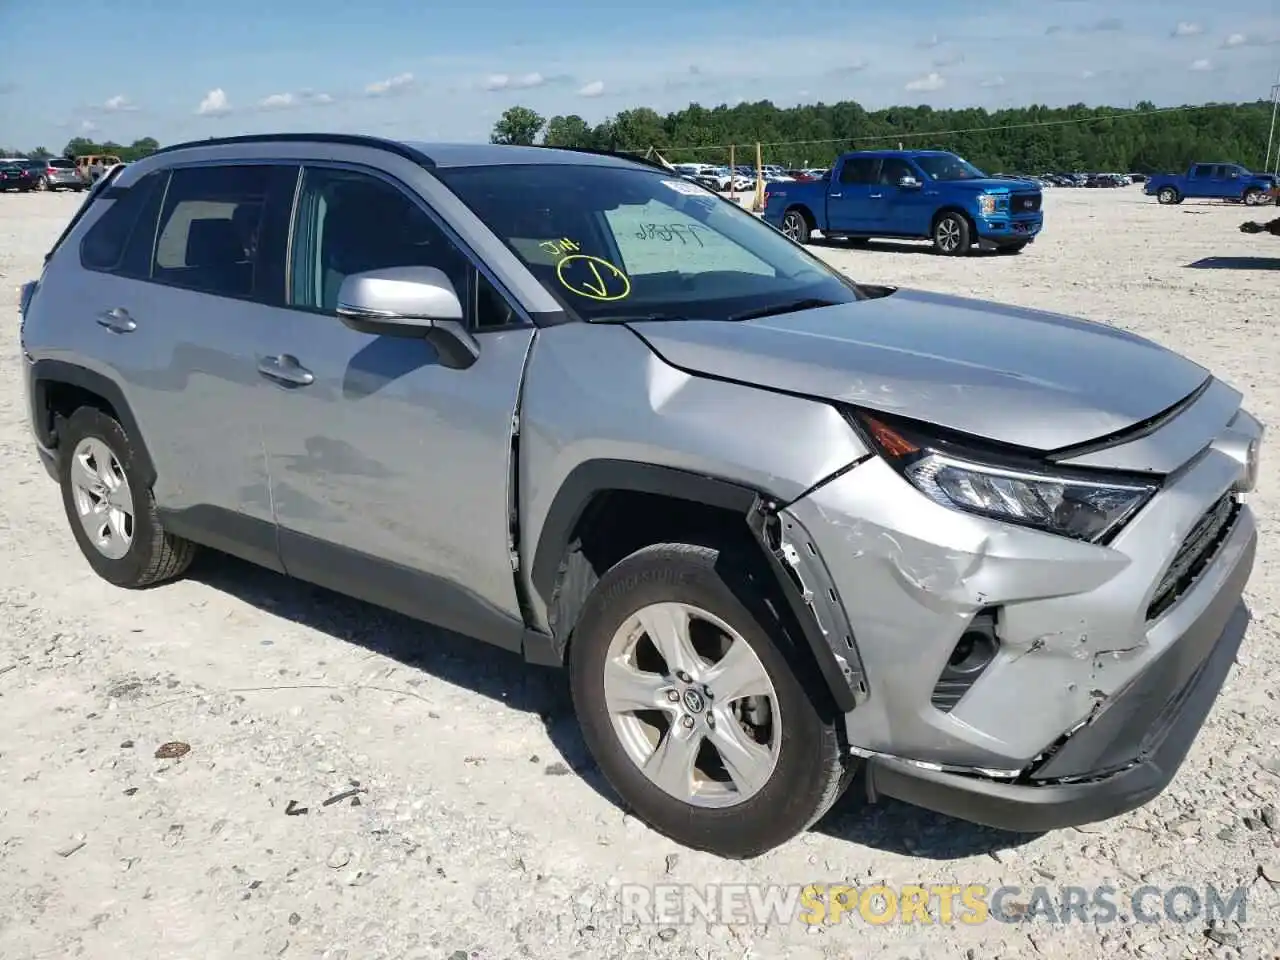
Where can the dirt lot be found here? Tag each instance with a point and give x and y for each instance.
(482, 831)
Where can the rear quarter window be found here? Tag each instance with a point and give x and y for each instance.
(120, 242)
(61, 163)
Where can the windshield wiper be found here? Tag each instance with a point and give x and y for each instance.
(809, 303)
(636, 318)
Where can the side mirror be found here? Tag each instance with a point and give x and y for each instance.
(409, 302)
(909, 183)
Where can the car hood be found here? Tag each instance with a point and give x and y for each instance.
(1024, 377)
(989, 185)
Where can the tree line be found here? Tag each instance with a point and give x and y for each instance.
(1032, 139)
(83, 146)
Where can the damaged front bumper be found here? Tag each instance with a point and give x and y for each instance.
(1103, 660)
(1152, 730)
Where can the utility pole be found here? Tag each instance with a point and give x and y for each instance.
(1275, 101)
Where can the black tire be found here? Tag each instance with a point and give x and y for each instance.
(796, 225)
(1011, 248)
(1168, 195)
(1255, 197)
(952, 235)
(154, 556)
(811, 770)
(42, 184)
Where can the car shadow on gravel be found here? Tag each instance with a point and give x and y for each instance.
(505, 678)
(1236, 263)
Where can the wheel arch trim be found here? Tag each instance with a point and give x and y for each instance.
(47, 372)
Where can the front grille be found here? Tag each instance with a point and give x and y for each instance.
(1195, 553)
(1025, 202)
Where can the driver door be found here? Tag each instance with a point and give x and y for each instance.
(854, 195)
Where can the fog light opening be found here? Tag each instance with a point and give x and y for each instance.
(972, 654)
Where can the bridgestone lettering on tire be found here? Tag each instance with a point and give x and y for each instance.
(109, 507)
(697, 708)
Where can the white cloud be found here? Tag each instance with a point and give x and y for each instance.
(214, 104)
(1087, 74)
(278, 101)
(397, 84)
(1248, 40)
(118, 103)
(593, 89)
(992, 82)
(1235, 40)
(88, 126)
(1202, 66)
(303, 98)
(1187, 29)
(504, 81)
(927, 84)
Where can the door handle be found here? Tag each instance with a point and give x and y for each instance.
(117, 320)
(876, 196)
(285, 369)
(835, 196)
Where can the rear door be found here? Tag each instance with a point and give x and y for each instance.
(180, 313)
(1201, 182)
(850, 205)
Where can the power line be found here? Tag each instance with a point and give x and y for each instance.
(924, 134)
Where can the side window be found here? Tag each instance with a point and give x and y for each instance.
(859, 170)
(656, 237)
(349, 222)
(214, 234)
(121, 241)
(1202, 170)
(894, 169)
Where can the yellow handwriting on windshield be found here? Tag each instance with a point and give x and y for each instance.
(593, 277)
(559, 248)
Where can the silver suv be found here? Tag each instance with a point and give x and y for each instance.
(781, 528)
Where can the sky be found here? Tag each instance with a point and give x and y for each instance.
(189, 69)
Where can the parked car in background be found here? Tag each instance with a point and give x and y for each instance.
(14, 176)
(781, 528)
(1104, 180)
(913, 194)
(1211, 181)
(56, 173)
(93, 165)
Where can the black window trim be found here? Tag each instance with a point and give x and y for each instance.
(114, 194)
(475, 264)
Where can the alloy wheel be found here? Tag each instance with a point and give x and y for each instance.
(103, 498)
(793, 226)
(948, 235)
(692, 705)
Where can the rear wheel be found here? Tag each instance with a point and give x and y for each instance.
(693, 706)
(42, 184)
(1255, 197)
(951, 235)
(1168, 195)
(796, 226)
(109, 506)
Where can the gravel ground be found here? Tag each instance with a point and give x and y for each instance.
(480, 829)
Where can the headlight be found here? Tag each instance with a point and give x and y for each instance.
(1069, 505)
(986, 204)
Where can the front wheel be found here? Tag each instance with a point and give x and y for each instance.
(694, 708)
(951, 235)
(1168, 195)
(795, 226)
(1255, 197)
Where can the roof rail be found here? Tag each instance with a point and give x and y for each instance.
(346, 139)
(620, 154)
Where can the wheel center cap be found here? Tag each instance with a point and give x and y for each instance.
(693, 701)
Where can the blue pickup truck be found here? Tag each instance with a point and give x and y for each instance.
(910, 194)
(1212, 181)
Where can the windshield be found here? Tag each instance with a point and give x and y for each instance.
(944, 166)
(624, 242)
